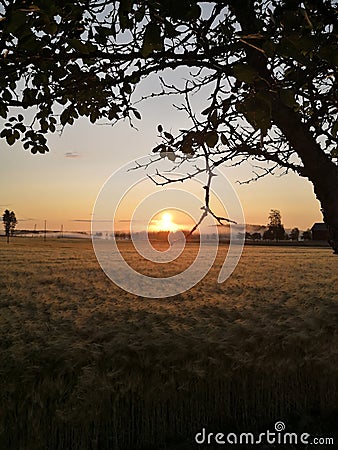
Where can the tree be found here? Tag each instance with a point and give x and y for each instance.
(256, 236)
(9, 221)
(271, 68)
(267, 235)
(294, 234)
(307, 235)
(275, 227)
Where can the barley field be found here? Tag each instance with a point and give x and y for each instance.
(85, 365)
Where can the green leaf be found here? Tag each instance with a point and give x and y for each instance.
(3, 110)
(193, 12)
(64, 118)
(334, 130)
(6, 95)
(206, 111)
(10, 138)
(288, 98)
(127, 88)
(21, 127)
(81, 47)
(152, 39)
(211, 138)
(186, 147)
(171, 155)
(158, 148)
(224, 140)
(214, 119)
(16, 21)
(257, 110)
(245, 73)
(140, 13)
(51, 28)
(168, 136)
(4, 133)
(137, 114)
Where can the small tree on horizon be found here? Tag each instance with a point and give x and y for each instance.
(9, 221)
(275, 227)
(294, 234)
(307, 235)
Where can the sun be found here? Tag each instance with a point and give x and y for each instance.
(166, 223)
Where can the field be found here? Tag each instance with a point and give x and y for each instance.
(85, 365)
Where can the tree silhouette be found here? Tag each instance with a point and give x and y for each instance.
(9, 221)
(307, 235)
(275, 228)
(294, 234)
(269, 68)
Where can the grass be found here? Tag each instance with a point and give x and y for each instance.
(85, 365)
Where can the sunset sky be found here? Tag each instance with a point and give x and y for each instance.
(62, 186)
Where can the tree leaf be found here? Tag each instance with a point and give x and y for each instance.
(224, 140)
(152, 39)
(211, 138)
(214, 119)
(334, 130)
(169, 136)
(245, 73)
(171, 155)
(10, 138)
(137, 114)
(158, 148)
(288, 98)
(257, 110)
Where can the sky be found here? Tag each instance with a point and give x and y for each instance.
(61, 186)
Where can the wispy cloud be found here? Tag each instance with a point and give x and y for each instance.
(91, 220)
(130, 220)
(72, 155)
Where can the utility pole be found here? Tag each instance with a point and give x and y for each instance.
(61, 233)
(44, 237)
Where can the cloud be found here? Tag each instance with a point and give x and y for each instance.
(134, 220)
(72, 155)
(91, 220)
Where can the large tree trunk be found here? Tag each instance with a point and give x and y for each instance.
(318, 167)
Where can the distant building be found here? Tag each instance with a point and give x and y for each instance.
(320, 232)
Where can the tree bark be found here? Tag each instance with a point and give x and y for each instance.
(318, 167)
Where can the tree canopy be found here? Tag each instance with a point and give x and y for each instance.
(9, 221)
(275, 227)
(271, 68)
